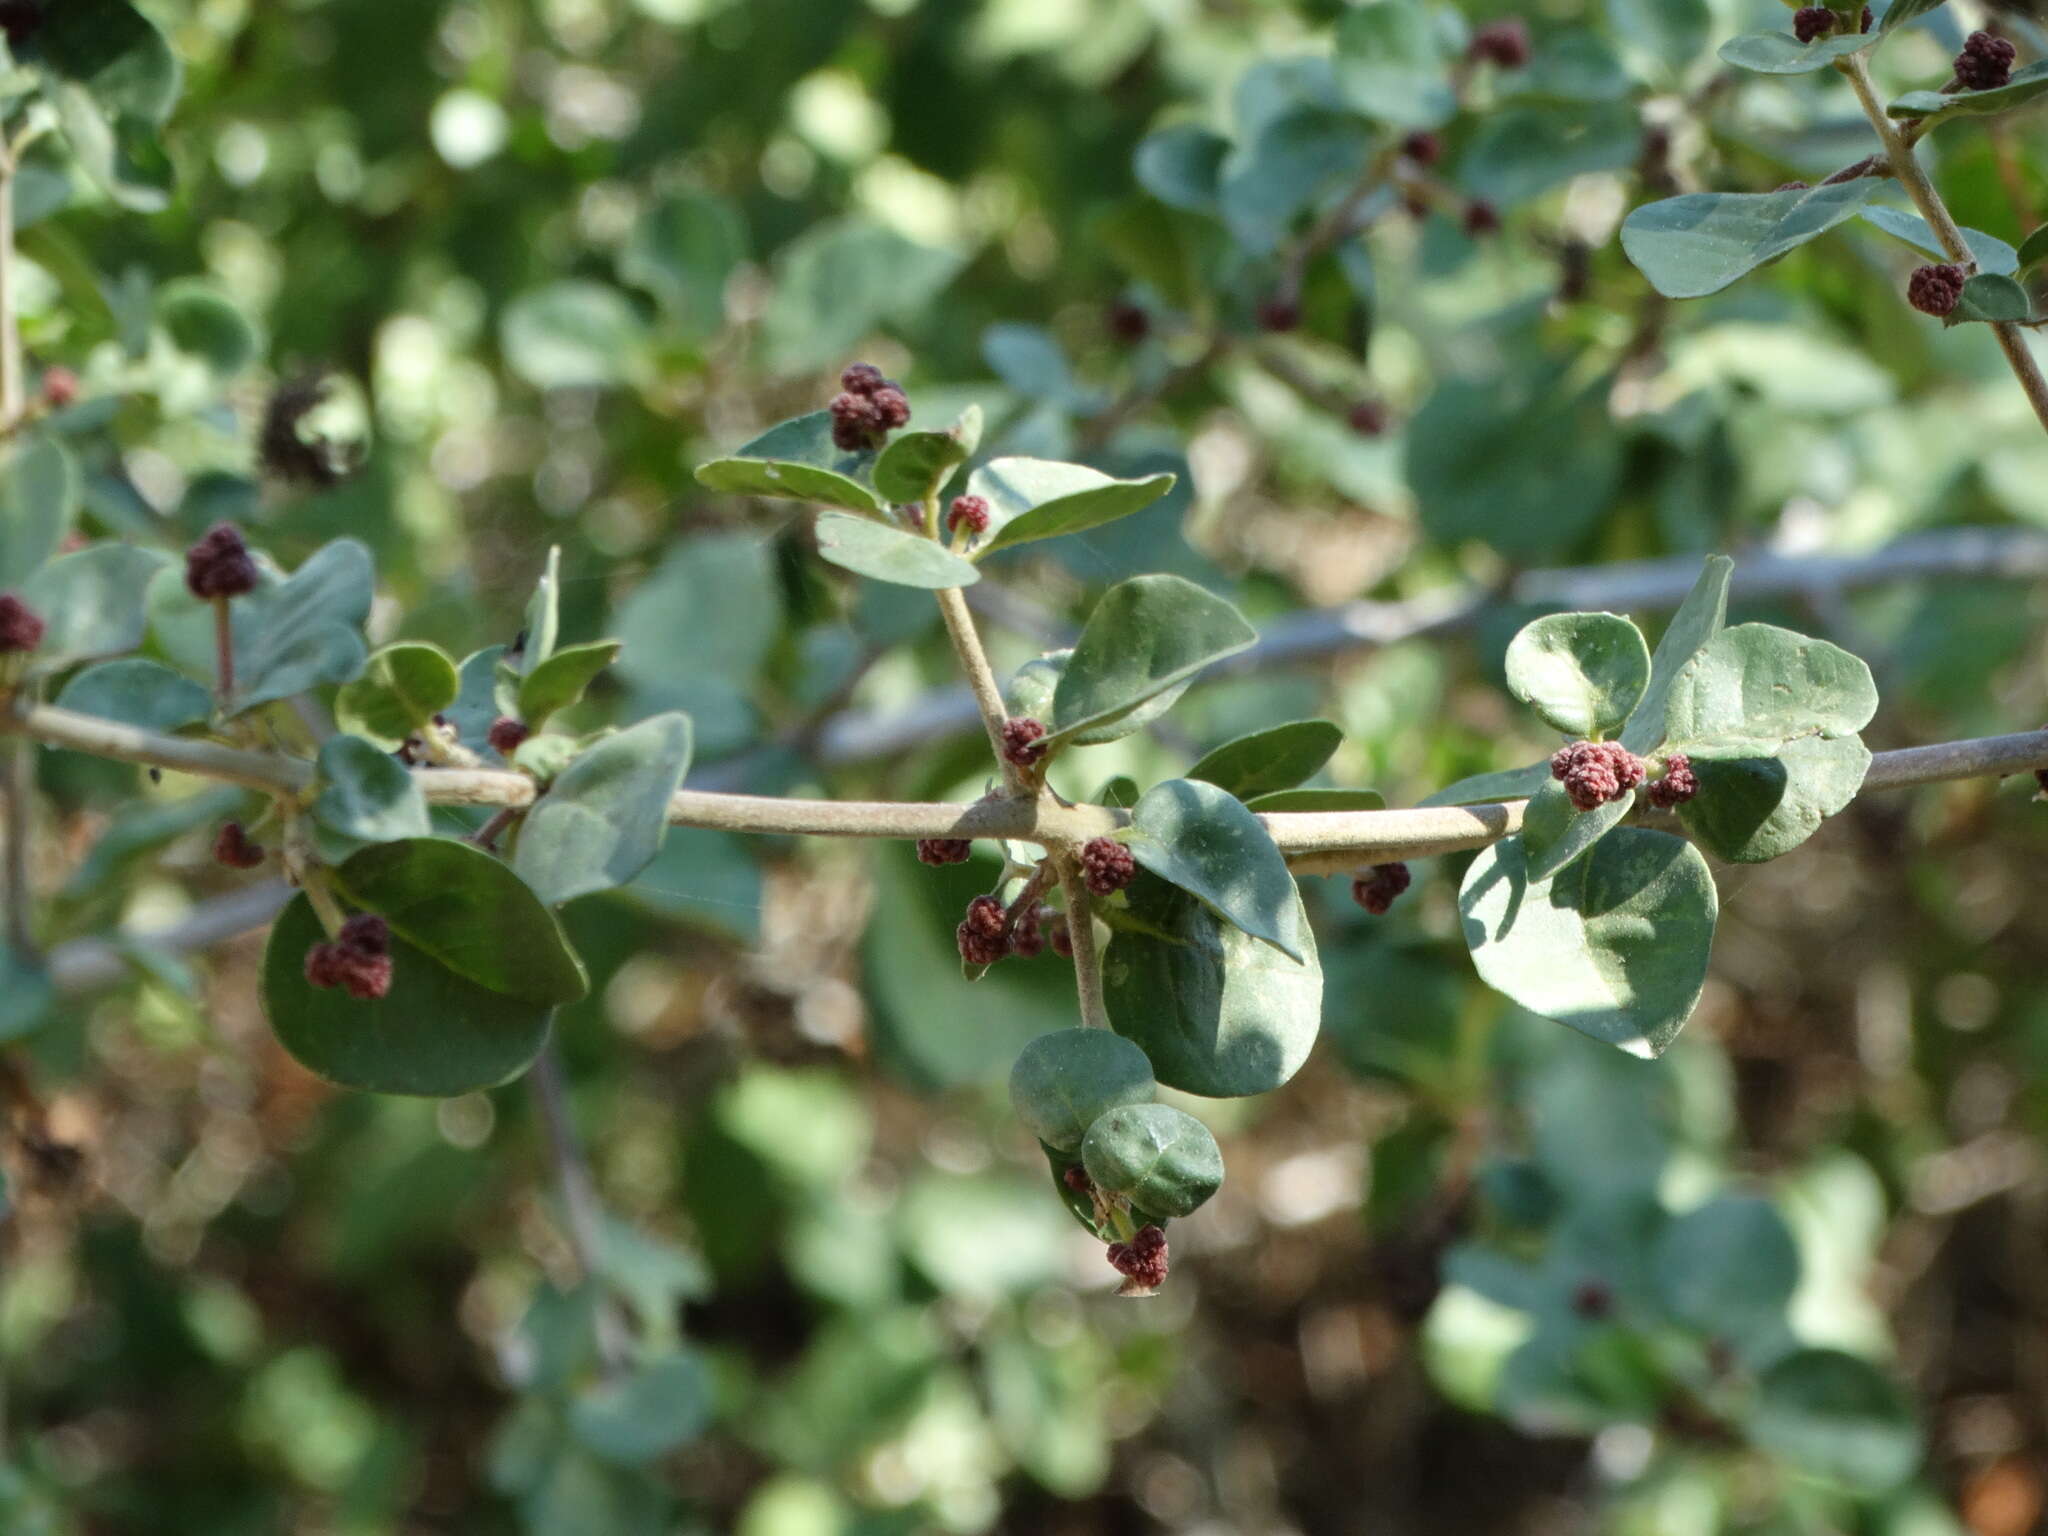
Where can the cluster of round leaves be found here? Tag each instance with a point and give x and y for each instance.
(1124, 1164)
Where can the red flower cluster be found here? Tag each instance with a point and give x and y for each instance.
(1678, 785)
(969, 512)
(1937, 290)
(1595, 772)
(1985, 62)
(235, 848)
(1023, 741)
(1142, 1259)
(944, 850)
(1379, 887)
(1504, 42)
(21, 627)
(867, 409)
(1107, 865)
(1812, 21)
(220, 564)
(358, 961)
(981, 933)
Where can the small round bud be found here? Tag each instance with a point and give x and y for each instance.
(233, 847)
(1481, 218)
(365, 934)
(21, 627)
(60, 388)
(1142, 1261)
(1381, 886)
(324, 964)
(1812, 21)
(1985, 63)
(969, 512)
(1023, 741)
(861, 379)
(1279, 314)
(1368, 418)
(1107, 865)
(1075, 1177)
(358, 961)
(1596, 772)
(981, 934)
(944, 850)
(1422, 148)
(1593, 1300)
(1936, 290)
(1504, 43)
(1678, 785)
(1063, 936)
(1129, 323)
(507, 735)
(892, 407)
(220, 564)
(856, 423)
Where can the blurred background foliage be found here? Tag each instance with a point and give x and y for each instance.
(1471, 1272)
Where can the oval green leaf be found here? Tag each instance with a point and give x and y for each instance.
(1755, 806)
(603, 819)
(1582, 672)
(1697, 244)
(1032, 499)
(1161, 1159)
(1839, 1417)
(92, 601)
(1992, 300)
(38, 502)
(560, 681)
(138, 693)
(1035, 683)
(2026, 86)
(1266, 762)
(1780, 53)
(1147, 635)
(1065, 1081)
(1757, 682)
(916, 464)
(797, 460)
(885, 553)
(1203, 840)
(367, 795)
(1555, 832)
(1699, 618)
(403, 686)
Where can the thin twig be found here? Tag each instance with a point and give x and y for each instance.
(12, 399)
(1081, 932)
(981, 678)
(1920, 187)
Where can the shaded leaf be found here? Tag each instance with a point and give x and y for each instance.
(1391, 66)
(839, 281)
(603, 820)
(1992, 299)
(1163, 1160)
(632, 1419)
(796, 460)
(1485, 788)
(1699, 618)
(1833, 1414)
(1753, 806)
(1182, 166)
(1033, 686)
(1582, 672)
(1727, 1268)
(1146, 635)
(560, 681)
(367, 795)
(2025, 87)
(1291, 800)
(683, 248)
(138, 693)
(1277, 758)
(1555, 832)
(884, 553)
(1065, 1081)
(38, 501)
(1699, 243)
(1038, 499)
(92, 601)
(916, 464)
(403, 686)
(1202, 839)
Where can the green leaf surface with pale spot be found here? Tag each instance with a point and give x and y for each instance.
(884, 553)
(799, 462)
(139, 693)
(470, 912)
(1218, 1012)
(1265, 762)
(1161, 1159)
(1757, 682)
(365, 794)
(436, 1033)
(1615, 947)
(1030, 499)
(604, 818)
(1698, 243)
(1203, 840)
(1146, 635)
(1065, 1081)
(1582, 672)
(403, 686)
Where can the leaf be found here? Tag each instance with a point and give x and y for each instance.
(1182, 166)
(1031, 361)
(1522, 152)
(1753, 806)
(1146, 635)
(1615, 947)
(1780, 53)
(1899, 12)
(632, 1419)
(436, 1033)
(1582, 672)
(38, 502)
(204, 324)
(543, 624)
(1295, 800)
(1218, 1012)
(841, 280)
(1485, 788)
(1200, 838)
(27, 997)
(1697, 244)
(1034, 684)
(1065, 1081)
(561, 680)
(797, 461)
(1286, 167)
(1757, 682)
(575, 334)
(1699, 618)
(2026, 86)
(603, 820)
(112, 79)
(2033, 250)
(1992, 299)
(92, 601)
(683, 249)
(545, 757)
(1391, 66)
(1674, 32)
(1163, 1160)
(1840, 1417)
(1991, 253)
(456, 903)
(139, 693)
(475, 709)
(896, 555)
(916, 464)
(1555, 832)
(402, 687)
(122, 153)
(1727, 1268)
(1277, 758)
(366, 795)
(1033, 499)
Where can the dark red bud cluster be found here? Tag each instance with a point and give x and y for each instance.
(1027, 936)
(507, 735)
(1936, 290)
(1504, 42)
(867, 409)
(1368, 418)
(1142, 1260)
(358, 961)
(60, 388)
(1381, 886)
(1129, 323)
(1985, 62)
(1812, 21)
(981, 934)
(1422, 148)
(969, 512)
(1075, 1177)
(1481, 218)
(1107, 865)
(20, 20)
(944, 850)
(1678, 785)
(21, 627)
(1595, 772)
(1278, 314)
(234, 847)
(220, 564)
(1593, 1300)
(1023, 741)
